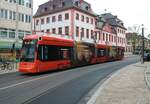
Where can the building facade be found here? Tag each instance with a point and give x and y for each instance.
(15, 22)
(104, 33)
(117, 27)
(75, 18)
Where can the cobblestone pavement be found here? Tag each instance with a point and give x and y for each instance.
(128, 86)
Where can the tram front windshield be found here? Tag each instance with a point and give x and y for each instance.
(28, 51)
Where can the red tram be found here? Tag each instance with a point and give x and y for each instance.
(45, 53)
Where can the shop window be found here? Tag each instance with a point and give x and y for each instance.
(3, 34)
(12, 34)
(20, 34)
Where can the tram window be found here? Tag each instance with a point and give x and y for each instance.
(53, 53)
(101, 52)
(64, 53)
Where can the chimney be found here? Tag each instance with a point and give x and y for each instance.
(115, 16)
(81, 1)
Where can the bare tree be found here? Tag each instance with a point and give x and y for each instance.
(148, 36)
(134, 37)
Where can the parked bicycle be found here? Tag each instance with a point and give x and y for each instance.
(6, 66)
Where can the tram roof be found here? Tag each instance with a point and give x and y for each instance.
(49, 37)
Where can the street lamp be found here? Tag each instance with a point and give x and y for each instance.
(106, 47)
(142, 53)
(96, 39)
(95, 42)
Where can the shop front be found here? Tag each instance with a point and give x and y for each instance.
(9, 50)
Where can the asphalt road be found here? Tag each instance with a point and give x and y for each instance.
(63, 87)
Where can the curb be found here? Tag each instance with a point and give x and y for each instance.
(88, 96)
(6, 72)
(93, 98)
(146, 78)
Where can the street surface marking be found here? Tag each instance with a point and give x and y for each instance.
(14, 85)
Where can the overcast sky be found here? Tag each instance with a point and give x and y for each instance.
(130, 11)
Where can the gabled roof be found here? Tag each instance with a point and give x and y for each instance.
(100, 22)
(53, 6)
(113, 20)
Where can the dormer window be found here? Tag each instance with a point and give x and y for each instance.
(45, 9)
(54, 6)
(77, 3)
(87, 8)
(63, 4)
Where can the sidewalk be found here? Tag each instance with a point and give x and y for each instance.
(127, 86)
(9, 71)
(128, 54)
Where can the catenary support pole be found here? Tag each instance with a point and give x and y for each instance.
(142, 53)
